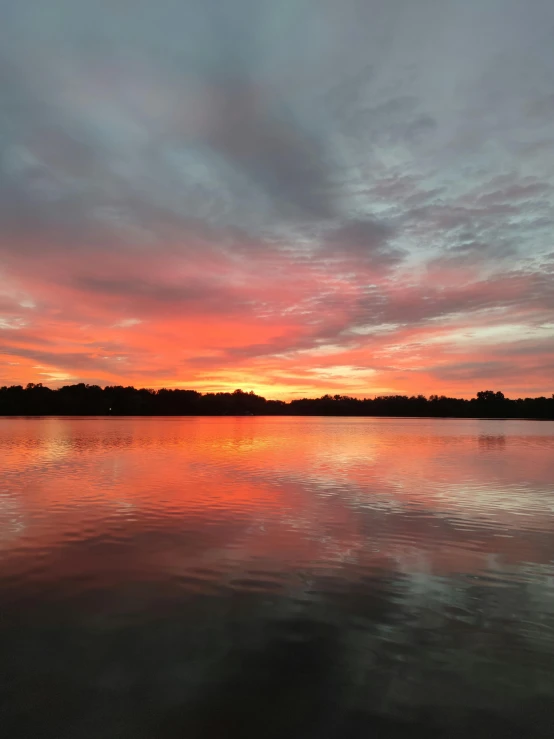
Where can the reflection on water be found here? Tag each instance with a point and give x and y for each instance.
(241, 577)
(488, 441)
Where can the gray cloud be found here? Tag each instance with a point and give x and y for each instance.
(151, 296)
(230, 113)
(367, 240)
(517, 292)
(67, 360)
(11, 337)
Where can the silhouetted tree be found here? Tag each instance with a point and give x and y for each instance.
(81, 399)
(489, 395)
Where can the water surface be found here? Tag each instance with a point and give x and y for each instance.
(276, 577)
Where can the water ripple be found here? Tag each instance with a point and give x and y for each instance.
(165, 570)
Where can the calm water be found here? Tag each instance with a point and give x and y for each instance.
(289, 577)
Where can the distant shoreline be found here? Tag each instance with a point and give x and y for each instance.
(92, 400)
(85, 416)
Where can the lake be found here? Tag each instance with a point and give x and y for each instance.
(276, 577)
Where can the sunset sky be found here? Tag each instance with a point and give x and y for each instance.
(288, 196)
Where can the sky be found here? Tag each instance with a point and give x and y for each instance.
(296, 197)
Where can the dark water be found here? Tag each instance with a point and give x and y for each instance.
(252, 577)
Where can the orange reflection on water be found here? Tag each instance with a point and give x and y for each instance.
(358, 494)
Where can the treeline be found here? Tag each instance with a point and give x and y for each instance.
(81, 399)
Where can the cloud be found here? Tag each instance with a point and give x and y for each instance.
(364, 243)
(259, 190)
(127, 323)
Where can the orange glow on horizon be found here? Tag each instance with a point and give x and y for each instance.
(212, 322)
